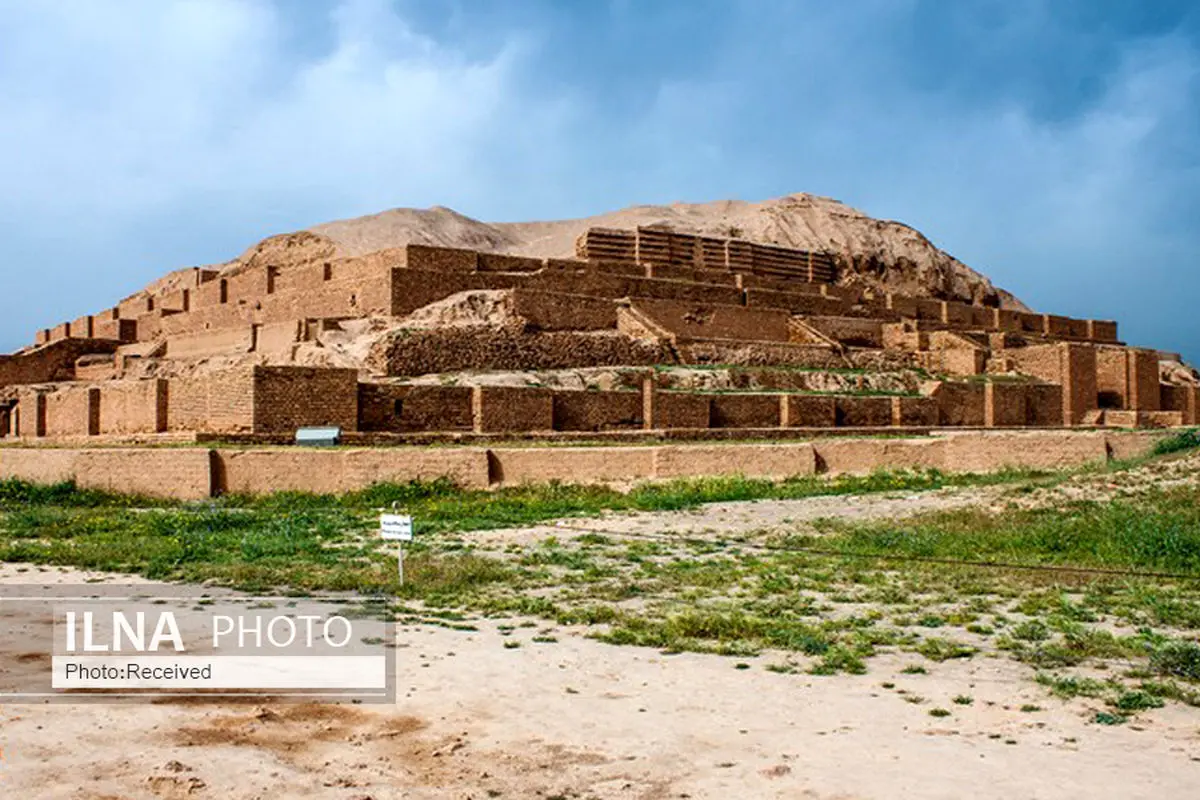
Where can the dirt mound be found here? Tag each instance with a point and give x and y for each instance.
(438, 226)
(877, 252)
(874, 253)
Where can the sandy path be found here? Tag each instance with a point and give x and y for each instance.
(736, 518)
(576, 718)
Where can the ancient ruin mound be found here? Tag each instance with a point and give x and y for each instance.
(875, 253)
(774, 319)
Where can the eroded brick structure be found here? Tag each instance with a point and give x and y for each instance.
(219, 353)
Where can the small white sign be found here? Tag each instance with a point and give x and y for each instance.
(396, 527)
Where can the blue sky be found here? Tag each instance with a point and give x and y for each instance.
(1053, 145)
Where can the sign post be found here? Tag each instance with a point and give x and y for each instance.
(397, 528)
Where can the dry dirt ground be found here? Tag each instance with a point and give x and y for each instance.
(563, 715)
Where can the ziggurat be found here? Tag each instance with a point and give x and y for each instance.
(646, 333)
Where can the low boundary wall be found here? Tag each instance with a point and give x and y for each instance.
(198, 473)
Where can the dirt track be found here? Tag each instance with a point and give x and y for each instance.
(576, 718)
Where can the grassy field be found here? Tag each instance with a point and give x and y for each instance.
(1100, 597)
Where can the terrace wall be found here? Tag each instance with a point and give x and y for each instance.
(128, 407)
(73, 411)
(53, 362)
(502, 409)
(1127, 379)
(221, 402)
(597, 411)
(959, 404)
(405, 409)
(287, 398)
(690, 321)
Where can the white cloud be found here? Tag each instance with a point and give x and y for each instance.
(116, 113)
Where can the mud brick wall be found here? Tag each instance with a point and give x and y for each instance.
(503, 409)
(675, 272)
(440, 259)
(178, 300)
(211, 343)
(515, 466)
(179, 473)
(1078, 328)
(53, 362)
(121, 330)
(1030, 323)
(134, 307)
(150, 325)
(1056, 326)
(692, 321)
(221, 402)
(1005, 405)
(957, 315)
(1184, 399)
(1112, 377)
(599, 284)
(914, 412)
(1004, 319)
(807, 411)
(795, 302)
(404, 409)
(213, 293)
(420, 352)
(73, 411)
(550, 311)
(759, 354)
(497, 262)
(1033, 450)
(1044, 405)
(277, 337)
(745, 411)
(133, 407)
(83, 328)
(862, 456)
(955, 361)
(413, 288)
(333, 471)
(898, 336)
(1079, 386)
(1127, 379)
(607, 243)
(856, 412)
(597, 411)
(1102, 330)
(264, 296)
(750, 460)
(901, 304)
(925, 309)
(1143, 380)
(681, 410)
(852, 331)
(600, 267)
(960, 404)
(1040, 361)
(29, 415)
(287, 398)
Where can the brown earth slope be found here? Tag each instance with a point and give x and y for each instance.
(874, 253)
(878, 252)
